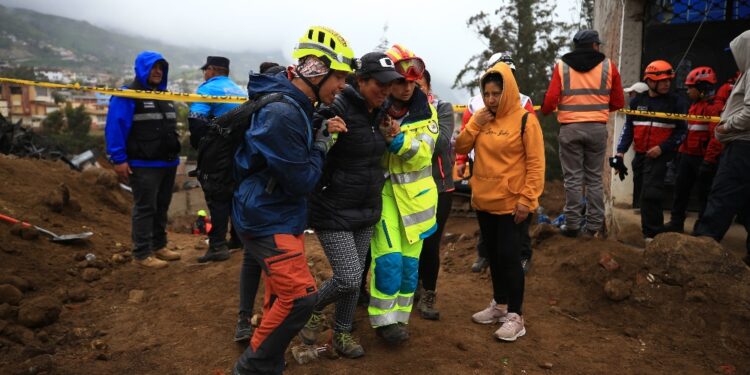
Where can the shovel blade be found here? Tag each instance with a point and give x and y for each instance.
(72, 237)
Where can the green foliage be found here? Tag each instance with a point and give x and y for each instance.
(527, 30)
(21, 72)
(69, 129)
(586, 14)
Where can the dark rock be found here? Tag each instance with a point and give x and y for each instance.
(22, 284)
(696, 296)
(10, 294)
(77, 294)
(39, 311)
(617, 290)
(6, 311)
(19, 334)
(42, 364)
(91, 274)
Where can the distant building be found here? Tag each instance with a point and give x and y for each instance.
(28, 104)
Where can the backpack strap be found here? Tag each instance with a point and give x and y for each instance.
(523, 123)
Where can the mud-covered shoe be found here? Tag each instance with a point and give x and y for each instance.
(511, 329)
(568, 231)
(492, 314)
(244, 330)
(309, 333)
(426, 306)
(166, 254)
(152, 262)
(346, 345)
(215, 254)
(480, 265)
(392, 333)
(673, 226)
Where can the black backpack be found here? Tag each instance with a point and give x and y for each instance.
(216, 149)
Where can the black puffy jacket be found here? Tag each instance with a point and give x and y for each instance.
(347, 197)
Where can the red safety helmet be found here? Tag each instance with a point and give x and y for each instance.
(658, 70)
(406, 62)
(701, 74)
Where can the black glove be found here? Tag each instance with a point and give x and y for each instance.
(618, 164)
(323, 139)
(198, 128)
(707, 170)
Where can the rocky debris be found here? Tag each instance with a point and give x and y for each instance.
(98, 345)
(22, 284)
(696, 296)
(8, 250)
(77, 294)
(41, 364)
(19, 334)
(39, 311)
(136, 296)
(100, 176)
(543, 231)
(91, 274)
(25, 232)
(7, 311)
(10, 294)
(59, 200)
(609, 263)
(617, 290)
(630, 234)
(546, 365)
(679, 259)
(119, 258)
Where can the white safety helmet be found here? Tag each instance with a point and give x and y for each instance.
(501, 57)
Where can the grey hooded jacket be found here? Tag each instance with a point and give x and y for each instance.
(736, 115)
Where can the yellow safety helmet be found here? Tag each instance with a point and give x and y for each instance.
(329, 46)
(202, 213)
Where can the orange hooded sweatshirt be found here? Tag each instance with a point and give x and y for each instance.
(508, 168)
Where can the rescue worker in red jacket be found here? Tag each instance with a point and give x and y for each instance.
(699, 154)
(655, 141)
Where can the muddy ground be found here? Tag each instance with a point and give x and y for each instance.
(681, 306)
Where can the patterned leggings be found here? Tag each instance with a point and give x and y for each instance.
(346, 252)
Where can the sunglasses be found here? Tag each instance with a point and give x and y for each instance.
(412, 69)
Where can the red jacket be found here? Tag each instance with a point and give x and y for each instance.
(463, 158)
(700, 140)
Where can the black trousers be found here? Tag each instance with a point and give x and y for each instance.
(730, 194)
(503, 238)
(152, 194)
(429, 258)
(221, 214)
(688, 177)
(526, 251)
(649, 173)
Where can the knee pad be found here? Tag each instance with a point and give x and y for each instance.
(410, 275)
(388, 273)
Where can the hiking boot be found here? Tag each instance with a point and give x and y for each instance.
(419, 291)
(152, 262)
(673, 226)
(215, 254)
(512, 329)
(480, 265)
(568, 232)
(166, 254)
(426, 306)
(526, 265)
(493, 313)
(346, 345)
(309, 333)
(244, 330)
(392, 333)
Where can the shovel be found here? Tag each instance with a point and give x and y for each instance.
(65, 238)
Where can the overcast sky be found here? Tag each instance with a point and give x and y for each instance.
(435, 30)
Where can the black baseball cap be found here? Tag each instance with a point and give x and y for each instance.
(585, 37)
(219, 61)
(379, 66)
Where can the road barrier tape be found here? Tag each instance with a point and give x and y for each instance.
(184, 97)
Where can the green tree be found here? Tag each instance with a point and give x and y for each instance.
(527, 29)
(79, 120)
(586, 14)
(53, 123)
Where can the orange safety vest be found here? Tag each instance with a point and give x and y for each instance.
(585, 96)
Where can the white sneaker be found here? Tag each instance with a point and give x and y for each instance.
(511, 329)
(493, 313)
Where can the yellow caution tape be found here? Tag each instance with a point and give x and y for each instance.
(184, 97)
(671, 116)
(133, 94)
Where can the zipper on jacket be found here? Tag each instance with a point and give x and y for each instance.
(284, 258)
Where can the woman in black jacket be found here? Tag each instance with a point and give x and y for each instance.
(347, 202)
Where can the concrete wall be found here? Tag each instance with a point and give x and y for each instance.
(609, 21)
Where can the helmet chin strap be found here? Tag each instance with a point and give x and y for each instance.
(315, 88)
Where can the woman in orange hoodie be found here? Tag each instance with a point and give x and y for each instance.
(507, 182)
